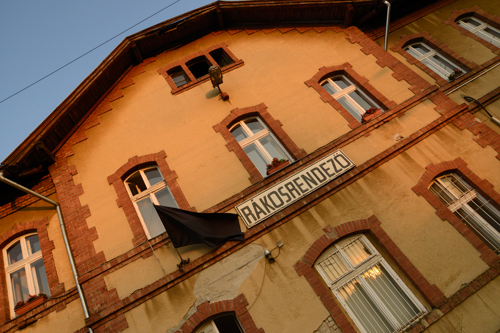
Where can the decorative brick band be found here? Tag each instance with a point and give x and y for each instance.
(483, 186)
(305, 266)
(135, 163)
(193, 80)
(476, 12)
(438, 46)
(19, 229)
(273, 125)
(206, 310)
(360, 81)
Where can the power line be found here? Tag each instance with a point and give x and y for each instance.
(95, 48)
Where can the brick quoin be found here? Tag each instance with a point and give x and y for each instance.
(483, 186)
(206, 310)
(194, 81)
(360, 81)
(305, 266)
(139, 162)
(275, 126)
(478, 13)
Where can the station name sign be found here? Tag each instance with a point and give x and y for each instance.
(292, 189)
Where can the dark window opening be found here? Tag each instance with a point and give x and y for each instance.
(199, 66)
(178, 76)
(221, 57)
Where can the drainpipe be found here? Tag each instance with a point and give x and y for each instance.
(64, 234)
(388, 4)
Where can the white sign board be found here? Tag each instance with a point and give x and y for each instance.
(281, 195)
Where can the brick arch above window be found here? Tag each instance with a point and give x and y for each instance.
(205, 310)
(483, 186)
(372, 225)
(275, 126)
(46, 245)
(360, 81)
(135, 163)
(476, 12)
(440, 47)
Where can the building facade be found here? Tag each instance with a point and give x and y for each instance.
(383, 217)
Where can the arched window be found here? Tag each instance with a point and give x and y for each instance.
(367, 287)
(258, 143)
(24, 269)
(435, 61)
(147, 187)
(349, 96)
(223, 324)
(481, 29)
(468, 205)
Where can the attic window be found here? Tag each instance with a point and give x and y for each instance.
(199, 66)
(221, 57)
(178, 76)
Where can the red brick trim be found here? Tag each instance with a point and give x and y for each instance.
(360, 81)
(206, 310)
(45, 187)
(477, 12)
(135, 163)
(193, 81)
(273, 125)
(484, 187)
(19, 229)
(440, 47)
(305, 266)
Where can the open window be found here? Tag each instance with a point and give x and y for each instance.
(25, 269)
(222, 324)
(199, 66)
(481, 29)
(353, 99)
(435, 61)
(259, 143)
(470, 207)
(221, 57)
(366, 286)
(146, 188)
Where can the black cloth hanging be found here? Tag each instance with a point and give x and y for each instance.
(188, 228)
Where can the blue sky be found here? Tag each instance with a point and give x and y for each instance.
(38, 37)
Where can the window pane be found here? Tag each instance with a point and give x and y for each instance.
(472, 21)
(487, 212)
(490, 237)
(492, 32)
(257, 158)
(454, 186)
(442, 194)
(341, 82)
(15, 253)
(391, 295)
(227, 324)
(272, 147)
(349, 107)
(358, 98)
(40, 277)
(420, 48)
(136, 184)
(357, 252)
(33, 244)
(153, 175)
(334, 266)
(254, 125)
(165, 198)
(328, 87)
(443, 63)
(19, 283)
(150, 217)
(179, 79)
(365, 310)
(238, 133)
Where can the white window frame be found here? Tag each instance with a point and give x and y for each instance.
(254, 138)
(354, 272)
(25, 263)
(345, 93)
(461, 201)
(433, 64)
(480, 30)
(149, 192)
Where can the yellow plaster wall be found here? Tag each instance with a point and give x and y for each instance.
(150, 119)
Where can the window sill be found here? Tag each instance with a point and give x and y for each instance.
(278, 168)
